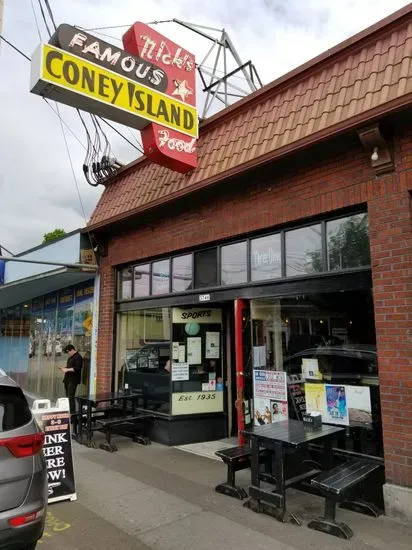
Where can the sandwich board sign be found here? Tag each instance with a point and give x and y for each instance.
(57, 449)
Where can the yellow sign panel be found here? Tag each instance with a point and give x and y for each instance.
(197, 402)
(88, 84)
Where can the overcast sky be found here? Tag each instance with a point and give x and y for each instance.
(38, 191)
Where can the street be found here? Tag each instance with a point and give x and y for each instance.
(162, 498)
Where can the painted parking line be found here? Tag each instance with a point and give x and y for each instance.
(53, 527)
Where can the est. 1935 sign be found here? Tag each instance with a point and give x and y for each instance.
(149, 86)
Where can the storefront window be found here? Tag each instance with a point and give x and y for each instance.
(141, 280)
(266, 258)
(233, 264)
(197, 361)
(34, 335)
(182, 273)
(161, 277)
(304, 251)
(348, 242)
(325, 343)
(206, 268)
(126, 283)
(143, 356)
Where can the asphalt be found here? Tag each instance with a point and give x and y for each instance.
(163, 498)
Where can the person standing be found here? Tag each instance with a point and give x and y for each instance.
(72, 374)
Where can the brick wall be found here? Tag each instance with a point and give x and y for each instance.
(106, 316)
(391, 252)
(338, 181)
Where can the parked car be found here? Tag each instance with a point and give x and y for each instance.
(23, 475)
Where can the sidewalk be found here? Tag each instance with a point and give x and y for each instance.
(163, 498)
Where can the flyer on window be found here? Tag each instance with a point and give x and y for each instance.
(212, 345)
(315, 397)
(194, 350)
(359, 405)
(336, 407)
(270, 396)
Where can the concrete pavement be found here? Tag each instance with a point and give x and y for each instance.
(162, 498)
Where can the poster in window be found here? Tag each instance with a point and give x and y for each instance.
(175, 351)
(336, 406)
(182, 354)
(315, 398)
(212, 345)
(194, 351)
(358, 399)
(270, 396)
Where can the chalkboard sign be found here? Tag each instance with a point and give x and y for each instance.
(57, 451)
(296, 395)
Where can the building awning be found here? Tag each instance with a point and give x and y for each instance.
(23, 290)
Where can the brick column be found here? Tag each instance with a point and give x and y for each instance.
(106, 313)
(391, 253)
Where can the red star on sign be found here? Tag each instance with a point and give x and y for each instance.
(162, 145)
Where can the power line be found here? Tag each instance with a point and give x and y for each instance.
(50, 14)
(36, 20)
(44, 17)
(15, 48)
(74, 174)
(120, 134)
(65, 123)
(106, 28)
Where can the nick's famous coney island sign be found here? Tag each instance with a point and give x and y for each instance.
(149, 86)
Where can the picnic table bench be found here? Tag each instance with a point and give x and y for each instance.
(236, 459)
(335, 485)
(125, 425)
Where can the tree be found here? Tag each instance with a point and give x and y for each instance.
(53, 235)
(348, 245)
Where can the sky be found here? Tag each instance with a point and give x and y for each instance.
(37, 185)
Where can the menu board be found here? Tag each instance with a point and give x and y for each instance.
(297, 398)
(58, 453)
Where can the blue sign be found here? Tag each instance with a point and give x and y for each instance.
(2, 269)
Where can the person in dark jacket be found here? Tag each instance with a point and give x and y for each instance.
(72, 374)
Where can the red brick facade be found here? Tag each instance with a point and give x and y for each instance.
(338, 181)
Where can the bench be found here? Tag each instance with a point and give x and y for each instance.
(335, 485)
(236, 459)
(120, 425)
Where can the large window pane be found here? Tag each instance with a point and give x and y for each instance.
(233, 264)
(161, 277)
(126, 283)
(182, 273)
(348, 242)
(304, 251)
(265, 257)
(143, 353)
(141, 280)
(326, 344)
(206, 268)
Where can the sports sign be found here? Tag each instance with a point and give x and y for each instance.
(149, 87)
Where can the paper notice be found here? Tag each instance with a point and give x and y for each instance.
(175, 351)
(180, 371)
(194, 350)
(212, 345)
(182, 354)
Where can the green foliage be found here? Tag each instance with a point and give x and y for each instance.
(53, 235)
